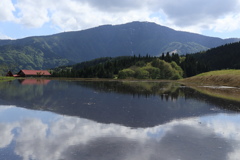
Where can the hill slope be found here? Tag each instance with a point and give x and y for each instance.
(222, 57)
(104, 41)
(219, 78)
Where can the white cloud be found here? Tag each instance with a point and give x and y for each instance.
(33, 13)
(187, 13)
(116, 5)
(77, 15)
(196, 16)
(228, 23)
(68, 15)
(73, 16)
(6, 10)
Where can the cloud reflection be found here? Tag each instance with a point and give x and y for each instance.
(210, 137)
(6, 134)
(5, 107)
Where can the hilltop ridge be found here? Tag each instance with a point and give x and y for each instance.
(43, 52)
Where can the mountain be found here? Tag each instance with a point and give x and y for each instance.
(223, 57)
(133, 38)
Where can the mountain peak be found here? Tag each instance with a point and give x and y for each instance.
(132, 38)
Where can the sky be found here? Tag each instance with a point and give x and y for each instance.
(24, 18)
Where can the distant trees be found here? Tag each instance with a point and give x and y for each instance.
(169, 58)
(125, 73)
(103, 67)
(192, 67)
(223, 57)
(169, 66)
(156, 69)
(168, 70)
(4, 68)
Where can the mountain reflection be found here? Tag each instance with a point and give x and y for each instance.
(63, 137)
(133, 104)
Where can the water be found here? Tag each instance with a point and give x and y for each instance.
(56, 120)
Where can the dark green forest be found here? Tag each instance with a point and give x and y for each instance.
(224, 57)
(167, 66)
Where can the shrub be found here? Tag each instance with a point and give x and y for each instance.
(140, 63)
(154, 72)
(168, 70)
(177, 68)
(126, 73)
(175, 75)
(141, 74)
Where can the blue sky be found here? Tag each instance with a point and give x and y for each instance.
(23, 18)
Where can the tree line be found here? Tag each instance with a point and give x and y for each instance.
(166, 66)
(223, 57)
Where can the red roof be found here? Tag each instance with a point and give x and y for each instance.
(35, 72)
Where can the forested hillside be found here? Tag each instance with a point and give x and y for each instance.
(26, 57)
(140, 67)
(104, 41)
(223, 57)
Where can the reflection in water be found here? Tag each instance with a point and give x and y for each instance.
(115, 120)
(43, 135)
(136, 88)
(34, 81)
(134, 104)
(231, 93)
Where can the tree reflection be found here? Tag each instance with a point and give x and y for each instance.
(168, 91)
(135, 104)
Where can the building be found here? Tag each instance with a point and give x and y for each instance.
(33, 73)
(30, 73)
(11, 74)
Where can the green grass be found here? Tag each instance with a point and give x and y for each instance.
(221, 72)
(220, 77)
(2, 78)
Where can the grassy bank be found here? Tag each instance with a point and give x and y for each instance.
(216, 78)
(6, 78)
(205, 83)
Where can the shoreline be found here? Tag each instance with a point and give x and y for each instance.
(219, 90)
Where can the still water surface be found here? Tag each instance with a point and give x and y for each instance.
(69, 120)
